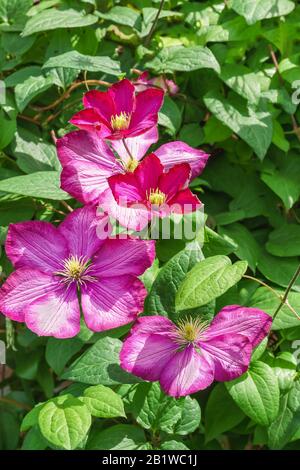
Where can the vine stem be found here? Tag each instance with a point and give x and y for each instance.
(148, 38)
(10, 401)
(285, 295)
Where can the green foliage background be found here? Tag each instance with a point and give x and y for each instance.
(236, 64)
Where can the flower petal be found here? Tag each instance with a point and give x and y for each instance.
(146, 355)
(187, 372)
(122, 94)
(230, 353)
(80, 229)
(145, 116)
(234, 319)
(175, 179)
(137, 146)
(125, 188)
(124, 256)
(88, 120)
(55, 314)
(155, 324)
(21, 288)
(184, 202)
(148, 173)
(102, 102)
(36, 244)
(112, 302)
(87, 162)
(172, 153)
(135, 217)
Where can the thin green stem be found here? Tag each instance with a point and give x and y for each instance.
(285, 295)
(149, 37)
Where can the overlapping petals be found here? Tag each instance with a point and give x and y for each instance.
(54, 265)
(159, 350)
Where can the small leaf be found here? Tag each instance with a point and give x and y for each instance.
(103, 402)
(42, 184)
(75, 60)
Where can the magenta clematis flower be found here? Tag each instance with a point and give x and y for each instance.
(88, 161)
(136, 198)
(119, 113)
(143, 82)
(55, 265)
(187, 357)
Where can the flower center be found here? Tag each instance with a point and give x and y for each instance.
(188, 330)
(75, 269)
(157, 197)
(120, 122)
(131, 165)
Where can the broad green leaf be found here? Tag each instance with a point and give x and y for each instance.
(247, 246)
(155, 410)
(34, 440)
(190, 417)
(16, 210)
(255, 10)
(183, 59)
(42, 184)
(284, 241)
(100, 365)
(20, 76)
(242, 81)
(118, 437)
(215, 244)
(9, 430)
(13, 13)
(31, 419)
(59, 352)
(284, 366)
(257, 393)
(161, 299)
(103, 402)
(170, 116)
(33, 154)
(221, 413)
(8, 127)
(122, 15)
(278, 270)
(65, 421)
(192, 134)
(267, 301)
(207, 280)
(253, 125)
(53, 19)
(287, 423)
(173, 445)
(75, 60)
(26, 91)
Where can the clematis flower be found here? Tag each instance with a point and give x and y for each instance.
(119, 113)
(136, 198)
(88, 161)
(187, 357)
(143, 82)
(56, 264)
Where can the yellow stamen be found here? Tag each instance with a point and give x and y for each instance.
(188, 330)
(120, 122)
(157, 197)
(131, 165)
(75, 269)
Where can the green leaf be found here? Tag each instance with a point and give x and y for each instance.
(155, 410)
(34, 440)
(118, 437)
(59, 352)
(190, 417)
(64, 421)
(33, 154)
(242, 81)
(253, 125)
(192, 134)
(173, 445)
(12, 211)
(256, 10)
(8, 127)
(122, 15)
(215, 244)
(22, 75)
(13, 13)
(53, 19)
(26, 91)
(103, 402)
(31, 419)
(279, 270)
(267, 301)
(183, 59)
(285, 241)
(287, 423)
(247, 246)
(221, 413)
(100, 365)
(75, 60)
(170, 116)
(161, 299)
(207, 280)
(42, 184)
(257, 393)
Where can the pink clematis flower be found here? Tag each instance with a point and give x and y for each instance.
(119, 113)
(187, 357)
(88, 161)
(143, 82)
(148, 192)
(55, 265)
